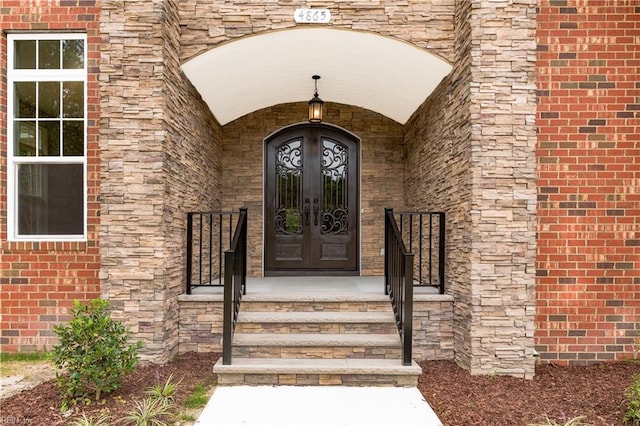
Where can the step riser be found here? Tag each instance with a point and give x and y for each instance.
(317, 380)
(316, 352)
(302, 306)
(318, 328)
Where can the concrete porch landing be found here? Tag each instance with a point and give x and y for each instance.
(317, 406)
(314, 287)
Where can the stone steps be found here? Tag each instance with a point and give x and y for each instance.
(298, 345)
(316, 339)
(317, 372)
(314, 303)
(316, 322)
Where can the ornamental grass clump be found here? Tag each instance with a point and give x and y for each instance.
(93, 353)
(632, 393)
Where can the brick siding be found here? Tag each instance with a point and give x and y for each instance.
(40, 280)
(588, 260)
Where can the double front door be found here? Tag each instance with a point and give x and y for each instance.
(311, 201)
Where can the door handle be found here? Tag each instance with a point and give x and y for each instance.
(306, 214)
(316, 210)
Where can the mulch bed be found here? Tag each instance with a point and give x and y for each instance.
(559, 393)
(41, 405)
(458, 398)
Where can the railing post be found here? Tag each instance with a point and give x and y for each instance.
(235, 277)
(387, 246)
(407, 317)
(220, 244)
(189, 250)
(441, 254)
(210, 266)
(227, 321)
(243, 246)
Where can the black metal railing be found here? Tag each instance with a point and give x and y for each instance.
(398, 282)
(209, 234)
(424, 235)
(235, 283)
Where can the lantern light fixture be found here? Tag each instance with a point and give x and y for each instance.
(315, 104)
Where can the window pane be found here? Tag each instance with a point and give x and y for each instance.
(49, 134)
(49, 99)
(73, 137)
(25, 99)
(49, 54)
(25, 54)
(24, 136)
(72, 54)
(51, 199)
(73, 99)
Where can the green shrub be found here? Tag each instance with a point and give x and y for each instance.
(632, 394)
(93, 350)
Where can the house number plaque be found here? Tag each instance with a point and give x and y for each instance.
(312, 16)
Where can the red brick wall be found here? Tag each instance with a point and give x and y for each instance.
(39, 281)
(588, 261)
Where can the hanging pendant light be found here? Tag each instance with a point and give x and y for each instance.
(315, 104)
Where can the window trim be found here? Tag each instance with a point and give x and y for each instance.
(18, 75)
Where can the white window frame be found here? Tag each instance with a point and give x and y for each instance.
(40, 75)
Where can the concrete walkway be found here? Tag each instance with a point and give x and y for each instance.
(317, 406)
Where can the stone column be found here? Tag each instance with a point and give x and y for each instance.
(159, 148)
(131, 145)
(503, 201)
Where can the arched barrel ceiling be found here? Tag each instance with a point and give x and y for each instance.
(367, 70)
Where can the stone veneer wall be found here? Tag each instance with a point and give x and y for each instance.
(438, 178)
(381, 153)
(433, 327)
(201, 323)
(588, 263)
(160, 149)
(471, 152)
(207, 23)
(40, 280)
(503, 199)
(438, 175)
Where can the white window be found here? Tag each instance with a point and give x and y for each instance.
(47, 127)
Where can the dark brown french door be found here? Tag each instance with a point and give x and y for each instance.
(311, 199)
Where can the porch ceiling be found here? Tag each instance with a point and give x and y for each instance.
(367, 70)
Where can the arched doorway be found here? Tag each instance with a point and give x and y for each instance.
(311, 201)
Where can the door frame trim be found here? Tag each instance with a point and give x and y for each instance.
(311, 272)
